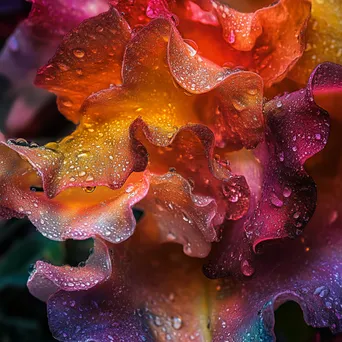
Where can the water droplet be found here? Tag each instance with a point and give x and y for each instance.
(231, 37)
(170, 236)
(177, 322)
(31, 268)
(33, 145)
(252, 91)
(321, 291)
(186, 218)
(287, 192)
(246, 268)
(328, 305)
(279, 104)
(187, 249)
(89, 178)
(19, 142)
(238, 105)
(157, 321)
(129, 188)
(192, 47)
(36, 189)
(89, 189)
(99, 28)
(63, 67)
(79, 53)
(318, 136)
(67, 103)
(296, 214)
(276, 201)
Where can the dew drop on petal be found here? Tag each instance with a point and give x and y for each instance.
(247, 268)
(177, 322)
(89, 189)
(79, 53)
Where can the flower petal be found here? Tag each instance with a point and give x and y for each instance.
(268, 41)
(141, 302)
(51, 19)
(98, 211)
(88, 60)
(179, 215)
(111, 116)
(297, 129)
(238, 116)
(191, 153)
(323, 39)
(146, 295)
(47, 279)
(31, 45)
(309, 275)
(76, 213)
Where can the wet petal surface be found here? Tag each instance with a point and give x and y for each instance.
(297, 129)
(148, 96)
(323, 39)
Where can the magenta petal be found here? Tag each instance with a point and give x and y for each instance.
(307, 271)
(31, 45)
(104, 312)
(99, 314)
(47, 279)
(297, 128)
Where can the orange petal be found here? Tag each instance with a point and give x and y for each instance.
(103, 149)
(76, 213)
(88, 60)
(323, 39)
(268, 41)
(178, 215)
(82, 213)
(191, 154)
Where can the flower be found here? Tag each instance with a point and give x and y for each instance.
(165, 127)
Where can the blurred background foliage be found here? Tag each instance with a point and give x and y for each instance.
(23, 318)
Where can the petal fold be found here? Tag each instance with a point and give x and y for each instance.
(46, 279)
(148, 96)
(297, 129)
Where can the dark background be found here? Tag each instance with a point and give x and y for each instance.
(22, 317)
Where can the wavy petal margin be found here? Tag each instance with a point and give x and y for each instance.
(297, 129)
(47, 279)
(98, 211)
(140, 302)
(146, 300)
(88, 59)
(147, 297)
(179, 215)
(148, 93)
(310, 275)
(268, 41)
